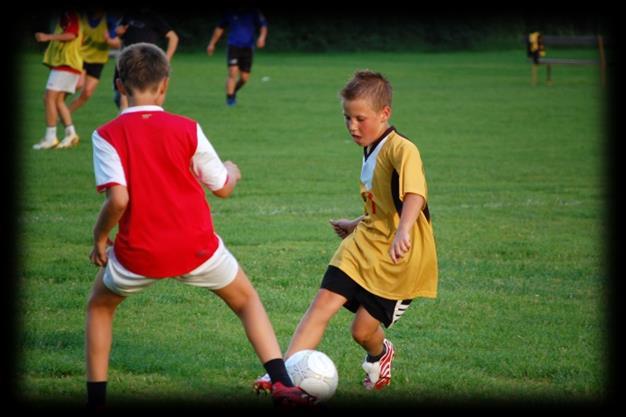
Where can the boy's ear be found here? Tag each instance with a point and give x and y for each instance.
(165, 85)
(120, 86)
(386, 112)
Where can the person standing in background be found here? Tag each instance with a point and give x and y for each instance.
(143, 26)
(242, 25)
(98, 36)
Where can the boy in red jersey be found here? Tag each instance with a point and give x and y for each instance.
(151, 164)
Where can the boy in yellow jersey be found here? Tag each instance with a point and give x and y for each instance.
(66, 63)
(387, 256)
(98, 37)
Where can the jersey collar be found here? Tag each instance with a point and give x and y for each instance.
(150, 107)
(375, 144)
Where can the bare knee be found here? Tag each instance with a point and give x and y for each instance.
(87, 93)
(361, 335)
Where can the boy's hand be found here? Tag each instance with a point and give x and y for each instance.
(400, 245)
(41, 37)
(343, 227)
(233, 170)
(99, 256)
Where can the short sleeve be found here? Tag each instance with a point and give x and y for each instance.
(260, 19)
(161, 25)
(206, 164)
(112, 23)
(107, 164)
(408, 163)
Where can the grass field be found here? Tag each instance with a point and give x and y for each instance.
(517, 197)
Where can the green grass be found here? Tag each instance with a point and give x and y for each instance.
(517, 196)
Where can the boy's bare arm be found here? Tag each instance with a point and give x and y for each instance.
(234, 175)
(260, 43)
(343, 227)
(46, 37)
(172, 44)
(110, 215)
(217, 34)
(411, 207)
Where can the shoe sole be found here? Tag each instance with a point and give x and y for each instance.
(70, 145)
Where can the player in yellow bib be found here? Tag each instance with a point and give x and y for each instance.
(98, 37)
(387, 256)
(63, 58)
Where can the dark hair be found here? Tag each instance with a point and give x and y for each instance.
(142, 66)
(370, 85)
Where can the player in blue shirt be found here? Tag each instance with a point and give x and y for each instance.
(242, 25)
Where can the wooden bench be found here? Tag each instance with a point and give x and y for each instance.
(550, 40)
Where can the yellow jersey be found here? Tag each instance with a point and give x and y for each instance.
(94, 49)
(392, 169)
(66, 54)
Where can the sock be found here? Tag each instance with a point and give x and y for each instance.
(376, 358)
(239, 85)
(96, 394)
(69, 130)
(230, 96)
(51, 132)
(277, 371)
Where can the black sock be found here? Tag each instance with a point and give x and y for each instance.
(230, 96)
(96, 394)
(277, 371)
(376, 358)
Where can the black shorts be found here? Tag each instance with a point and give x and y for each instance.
(382, 309)
(93, 70)
(240, 57)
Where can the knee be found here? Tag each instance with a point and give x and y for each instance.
(360, 334)
(87, 93)
(245, 300)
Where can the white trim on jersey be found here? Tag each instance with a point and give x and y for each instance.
(106, 162)
(146, 107)
(206, 164)
(369, 165)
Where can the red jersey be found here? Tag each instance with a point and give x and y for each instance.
(167, 229)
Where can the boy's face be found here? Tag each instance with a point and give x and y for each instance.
(364, 123)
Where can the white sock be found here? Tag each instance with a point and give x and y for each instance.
(69, 130)
(51, 133)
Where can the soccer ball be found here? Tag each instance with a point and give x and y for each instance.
(314, 372)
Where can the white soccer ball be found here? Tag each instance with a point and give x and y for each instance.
(314, 372)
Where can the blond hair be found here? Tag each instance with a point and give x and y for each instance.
(142, 66)
(366, 84)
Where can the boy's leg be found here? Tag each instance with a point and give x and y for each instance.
(71, 138)
(86, 93)
(244, 301)
(368, 332)
(243, 79)
(50, 138)
(311, 328)
(63, 110)
(231, 83)
(98, 335)
(50, 101)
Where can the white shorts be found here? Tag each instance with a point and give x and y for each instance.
(62, 81)
(217, 272)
